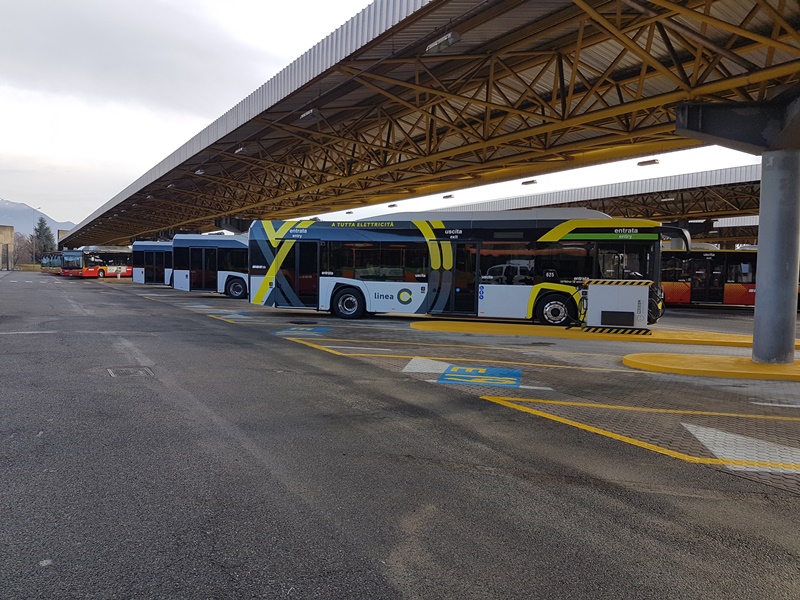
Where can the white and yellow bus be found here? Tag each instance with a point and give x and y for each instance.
(529, 264)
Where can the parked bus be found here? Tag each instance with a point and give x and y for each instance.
(528, 264)
(708, 275)
(97, 261)
(210, 263)
(51, 263)
(152, 262)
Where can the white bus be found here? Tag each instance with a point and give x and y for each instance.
(210, 263)
(152, 262)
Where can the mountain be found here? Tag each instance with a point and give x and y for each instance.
(23, 218)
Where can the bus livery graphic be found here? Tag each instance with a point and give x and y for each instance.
(529, 264)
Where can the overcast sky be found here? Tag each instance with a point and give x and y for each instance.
(93, 93)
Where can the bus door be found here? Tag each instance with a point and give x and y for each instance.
(455, 290)
(153, 267)
(708, 278)
(298, 282)
(203, 269)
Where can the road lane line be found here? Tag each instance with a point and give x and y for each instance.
(639, 443)
(667, 411)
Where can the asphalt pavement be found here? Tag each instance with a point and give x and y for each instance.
(162, 444)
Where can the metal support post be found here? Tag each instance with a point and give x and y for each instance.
(775, 322)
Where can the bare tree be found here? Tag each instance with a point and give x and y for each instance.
(23, 249)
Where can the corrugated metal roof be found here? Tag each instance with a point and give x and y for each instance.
(531, 87)
(672, 183)
(363, 28)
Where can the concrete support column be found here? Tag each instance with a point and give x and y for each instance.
(775, 323)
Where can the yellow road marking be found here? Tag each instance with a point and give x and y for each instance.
(475, 346)
(645, 445)
(667, 411)
(224, 319)
(459, 359)
(317, 346)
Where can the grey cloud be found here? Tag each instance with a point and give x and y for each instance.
(155, 53)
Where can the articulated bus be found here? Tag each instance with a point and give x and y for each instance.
(51, 263)
(210, 263)
(708, 275)
(529, 264)
(97, 261)
(152, 262)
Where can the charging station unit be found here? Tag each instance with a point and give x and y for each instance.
(618, 303)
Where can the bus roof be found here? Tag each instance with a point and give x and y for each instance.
(534, 214)
(102, 249)
(185, 240)
(151, 245)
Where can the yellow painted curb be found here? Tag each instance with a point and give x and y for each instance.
(700, 338)
(711, 365)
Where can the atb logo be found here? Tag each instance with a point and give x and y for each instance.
(404, 296)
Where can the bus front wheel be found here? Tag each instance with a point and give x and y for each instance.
(101, 273)
(348, 303)
(555, 309)
(236, 288)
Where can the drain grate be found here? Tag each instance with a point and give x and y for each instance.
(131, 372)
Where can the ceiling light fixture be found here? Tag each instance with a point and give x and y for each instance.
(443, 42)
(310, 115)
(448, 196)
(647, 163)
(529, 182)
(199, 172)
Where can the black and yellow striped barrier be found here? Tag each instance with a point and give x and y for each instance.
(618, 282)
(617, 330)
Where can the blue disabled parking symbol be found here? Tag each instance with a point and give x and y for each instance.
(481, 376)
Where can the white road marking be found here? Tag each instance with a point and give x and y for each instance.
(26, 332)
(426, 365)
(732, 446)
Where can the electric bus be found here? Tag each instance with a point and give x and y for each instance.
(152, 262)
(528, 264)
(210, 263)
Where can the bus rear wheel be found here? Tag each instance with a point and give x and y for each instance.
(348, 303)
(555, 309)
(236, 288)
(654, 311)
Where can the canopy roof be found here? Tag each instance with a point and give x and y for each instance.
(415, 97)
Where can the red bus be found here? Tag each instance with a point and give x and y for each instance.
(97, 261)
(708, 275)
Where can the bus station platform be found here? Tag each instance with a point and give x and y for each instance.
(703, 365)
